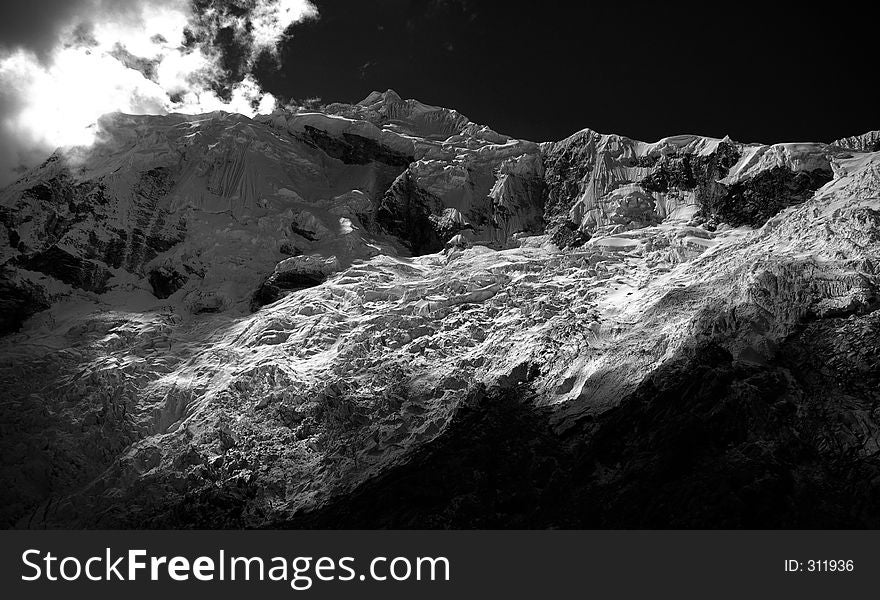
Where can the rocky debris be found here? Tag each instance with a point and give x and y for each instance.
(567, 234)
(449, 223)
(457, 242)
(292, 274)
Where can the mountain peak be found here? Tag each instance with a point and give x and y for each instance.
(389, 96)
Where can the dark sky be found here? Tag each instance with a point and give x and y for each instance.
(771, 71)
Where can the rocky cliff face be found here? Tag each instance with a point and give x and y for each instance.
(867, 142)
(608, 183)
(383, 314)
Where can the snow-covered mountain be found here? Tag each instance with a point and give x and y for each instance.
(383, 314)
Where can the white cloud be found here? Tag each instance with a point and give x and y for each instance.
(270, 19)
(56, 100)
(60, 102)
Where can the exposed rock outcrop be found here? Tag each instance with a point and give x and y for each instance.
(292, 274)
(867, 142)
